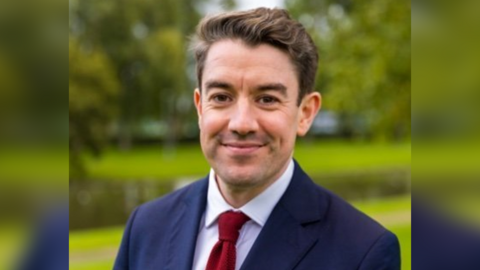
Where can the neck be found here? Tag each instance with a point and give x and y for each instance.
(239, 195)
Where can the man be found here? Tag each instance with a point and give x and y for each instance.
(257, 209)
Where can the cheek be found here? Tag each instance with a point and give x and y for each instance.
(211, 123)
(281, 128)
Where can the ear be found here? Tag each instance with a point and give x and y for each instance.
(309, 107)
(197, 99)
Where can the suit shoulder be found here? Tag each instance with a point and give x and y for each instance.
(352, 231)
(349, 219)
(329, 206)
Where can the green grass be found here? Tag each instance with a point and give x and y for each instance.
(13, 243)
(451, 157)
(91, 242)
(98, 265)
(108, 239)
(340, 156)
(317, 158)
(94, 239)
(404, 234)
(384, 205)
(26, 165)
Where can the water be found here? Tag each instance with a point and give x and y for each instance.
(108, 203)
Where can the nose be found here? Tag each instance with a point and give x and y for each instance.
(243, 120)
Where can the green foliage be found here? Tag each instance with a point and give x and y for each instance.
(447, 63)
(10, 91)
(165, 50)
(33, 69)
(144, 40)
(93, 92)
(164, 80)
(228, 4)
(364, 69)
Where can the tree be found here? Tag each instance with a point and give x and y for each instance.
(93, 96)
(364, 68)
(125, 31)
(164, 76)
(11, 92)
(32, 36)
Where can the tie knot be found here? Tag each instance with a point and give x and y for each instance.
(229, 225)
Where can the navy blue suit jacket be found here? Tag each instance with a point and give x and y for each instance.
(310, 228)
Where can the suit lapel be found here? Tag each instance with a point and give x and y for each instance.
(184, 229)
(292, 228)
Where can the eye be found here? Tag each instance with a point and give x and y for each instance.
(221, 98)
(267, 100)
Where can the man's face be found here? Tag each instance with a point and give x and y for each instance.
(248, 113)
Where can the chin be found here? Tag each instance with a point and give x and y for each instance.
(240, 179)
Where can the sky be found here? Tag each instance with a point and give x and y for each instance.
(249, 4)
(213, 7)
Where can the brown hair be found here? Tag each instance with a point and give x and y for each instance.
(259, 26)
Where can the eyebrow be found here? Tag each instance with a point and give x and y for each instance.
(218, 84)
(260, 88)
(273, 87)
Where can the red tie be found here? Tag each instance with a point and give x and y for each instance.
(224, 255)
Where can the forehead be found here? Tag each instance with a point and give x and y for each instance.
(234, 60)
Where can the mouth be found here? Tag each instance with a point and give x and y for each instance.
(242, 148)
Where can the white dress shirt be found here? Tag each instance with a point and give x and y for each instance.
(258, 209)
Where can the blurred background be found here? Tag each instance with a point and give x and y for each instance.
(33, 132)
(445, 128)
(130, 125)
(133, 125)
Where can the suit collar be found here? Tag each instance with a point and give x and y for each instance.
(302, 199)
(185, 228)
(286, 237)
(258, 209)
(292, 228)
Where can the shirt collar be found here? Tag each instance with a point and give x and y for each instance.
(258, 209)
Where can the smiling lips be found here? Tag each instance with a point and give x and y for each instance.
(242, 148)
